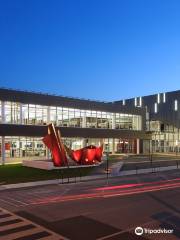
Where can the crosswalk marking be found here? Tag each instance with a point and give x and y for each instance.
(5, 215)
(17, 229)
(14, 236)
(11, 226)
(14, 227)
(6, 219)
(9, 222)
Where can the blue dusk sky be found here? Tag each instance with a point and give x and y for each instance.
(97, 49)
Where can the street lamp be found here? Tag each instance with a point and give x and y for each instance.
(107, 161)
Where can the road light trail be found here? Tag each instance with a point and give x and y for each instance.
(105, 193)
(136, 184)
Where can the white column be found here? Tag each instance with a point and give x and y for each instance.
(137, 146)
(48, 121)
(84, 142)
(47, 153)
(113, 121)
(3, 150)
(113, 146)
(101, 141)
(48, 114)
(21, 113)
(84, 121)
(3, 112)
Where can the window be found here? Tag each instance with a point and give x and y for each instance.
(124, 102)
(175, 105)
(12, 112)
(140, 101)
(158, 98)
(155, 107)
(164, 97)
(53, 115)
(135, 102)
(68, 117)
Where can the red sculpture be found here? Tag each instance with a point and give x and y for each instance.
(53, 141)
(85, 156)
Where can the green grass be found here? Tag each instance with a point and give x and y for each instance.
(16, 173)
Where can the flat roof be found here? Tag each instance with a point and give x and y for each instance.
(27, 97)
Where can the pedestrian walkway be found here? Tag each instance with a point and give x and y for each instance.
(116, 168)
(147, 170)
(14, 227)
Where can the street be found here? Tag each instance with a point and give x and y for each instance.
(100, 209)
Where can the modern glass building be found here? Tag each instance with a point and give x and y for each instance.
(24, 117)
(133, 126)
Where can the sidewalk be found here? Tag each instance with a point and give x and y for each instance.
(86, 178)
(51, 182)
(116, 168)
(147, 170)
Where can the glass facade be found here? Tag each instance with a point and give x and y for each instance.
(12, 112)
(165, 137)
(34, 114)
(126, 121)
(17, 113)
(21, 148)
(26, 148)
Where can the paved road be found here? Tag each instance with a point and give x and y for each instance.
(101, 210)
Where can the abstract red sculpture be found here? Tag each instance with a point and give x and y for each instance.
(53, 141)
(85, 156)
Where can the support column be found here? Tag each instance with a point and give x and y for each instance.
(84, 142)
(3, 112)
(47, 153)
(3, 155)
(84, 121)
(21, 113)
(113, 146)
(113, 121)
(101, 142)
(48, 115)
(137, 147)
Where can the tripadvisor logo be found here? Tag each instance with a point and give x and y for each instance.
(140, 231)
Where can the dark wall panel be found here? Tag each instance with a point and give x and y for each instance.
(52, 100)
(166, 112)
(40, 131)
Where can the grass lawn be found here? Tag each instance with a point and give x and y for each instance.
(16, 173)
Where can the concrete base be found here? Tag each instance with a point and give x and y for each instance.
(48, 164)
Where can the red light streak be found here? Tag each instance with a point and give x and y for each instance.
(135, 185)
(138, 188)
